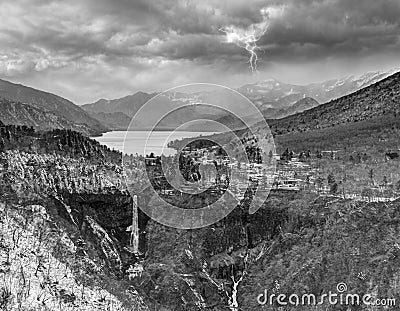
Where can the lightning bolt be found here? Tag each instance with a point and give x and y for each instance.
(246, 39)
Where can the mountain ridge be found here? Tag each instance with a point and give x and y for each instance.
(103, 115)
(274, 93)
(123, 104)
(53, 104)
(380, 98)
(274, 98)
(18, 113)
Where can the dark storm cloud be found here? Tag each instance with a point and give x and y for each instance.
(189, 30)
(333, 28)
(139, 42)
(186, 30)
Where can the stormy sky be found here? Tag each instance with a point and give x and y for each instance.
(90, 49)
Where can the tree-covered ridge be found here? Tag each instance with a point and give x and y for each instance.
(58, 141)
(52, 105)
(53, 173)
(29, 115)
(379, 99)
(327, 243)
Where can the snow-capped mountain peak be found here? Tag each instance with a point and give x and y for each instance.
(273, 93)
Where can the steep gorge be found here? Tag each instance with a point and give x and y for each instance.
(183, 269)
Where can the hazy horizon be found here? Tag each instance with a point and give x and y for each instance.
(234, 87)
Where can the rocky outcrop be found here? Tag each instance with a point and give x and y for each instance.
(41, 267)
(102, 220)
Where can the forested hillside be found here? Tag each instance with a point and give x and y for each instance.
(381, 98)
(17, 113)
(52, 104)
(58, 141)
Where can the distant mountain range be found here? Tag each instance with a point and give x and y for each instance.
(272, 93)
(379, 99)
(27, 106)
(365, 111)
(118, 113)
(274, 98)
(128, 105)
(297, 107)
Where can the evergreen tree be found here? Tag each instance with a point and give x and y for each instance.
(331, 179)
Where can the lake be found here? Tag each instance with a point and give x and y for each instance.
(136, 140)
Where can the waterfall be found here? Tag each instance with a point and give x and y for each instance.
(134, 241)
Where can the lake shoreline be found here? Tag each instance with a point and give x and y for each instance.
(145, 142)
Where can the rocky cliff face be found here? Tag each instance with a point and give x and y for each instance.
(101, 220)
(46, 261)
(183, 269)
(293, 242)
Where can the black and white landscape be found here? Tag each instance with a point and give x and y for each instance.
(283, 116)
